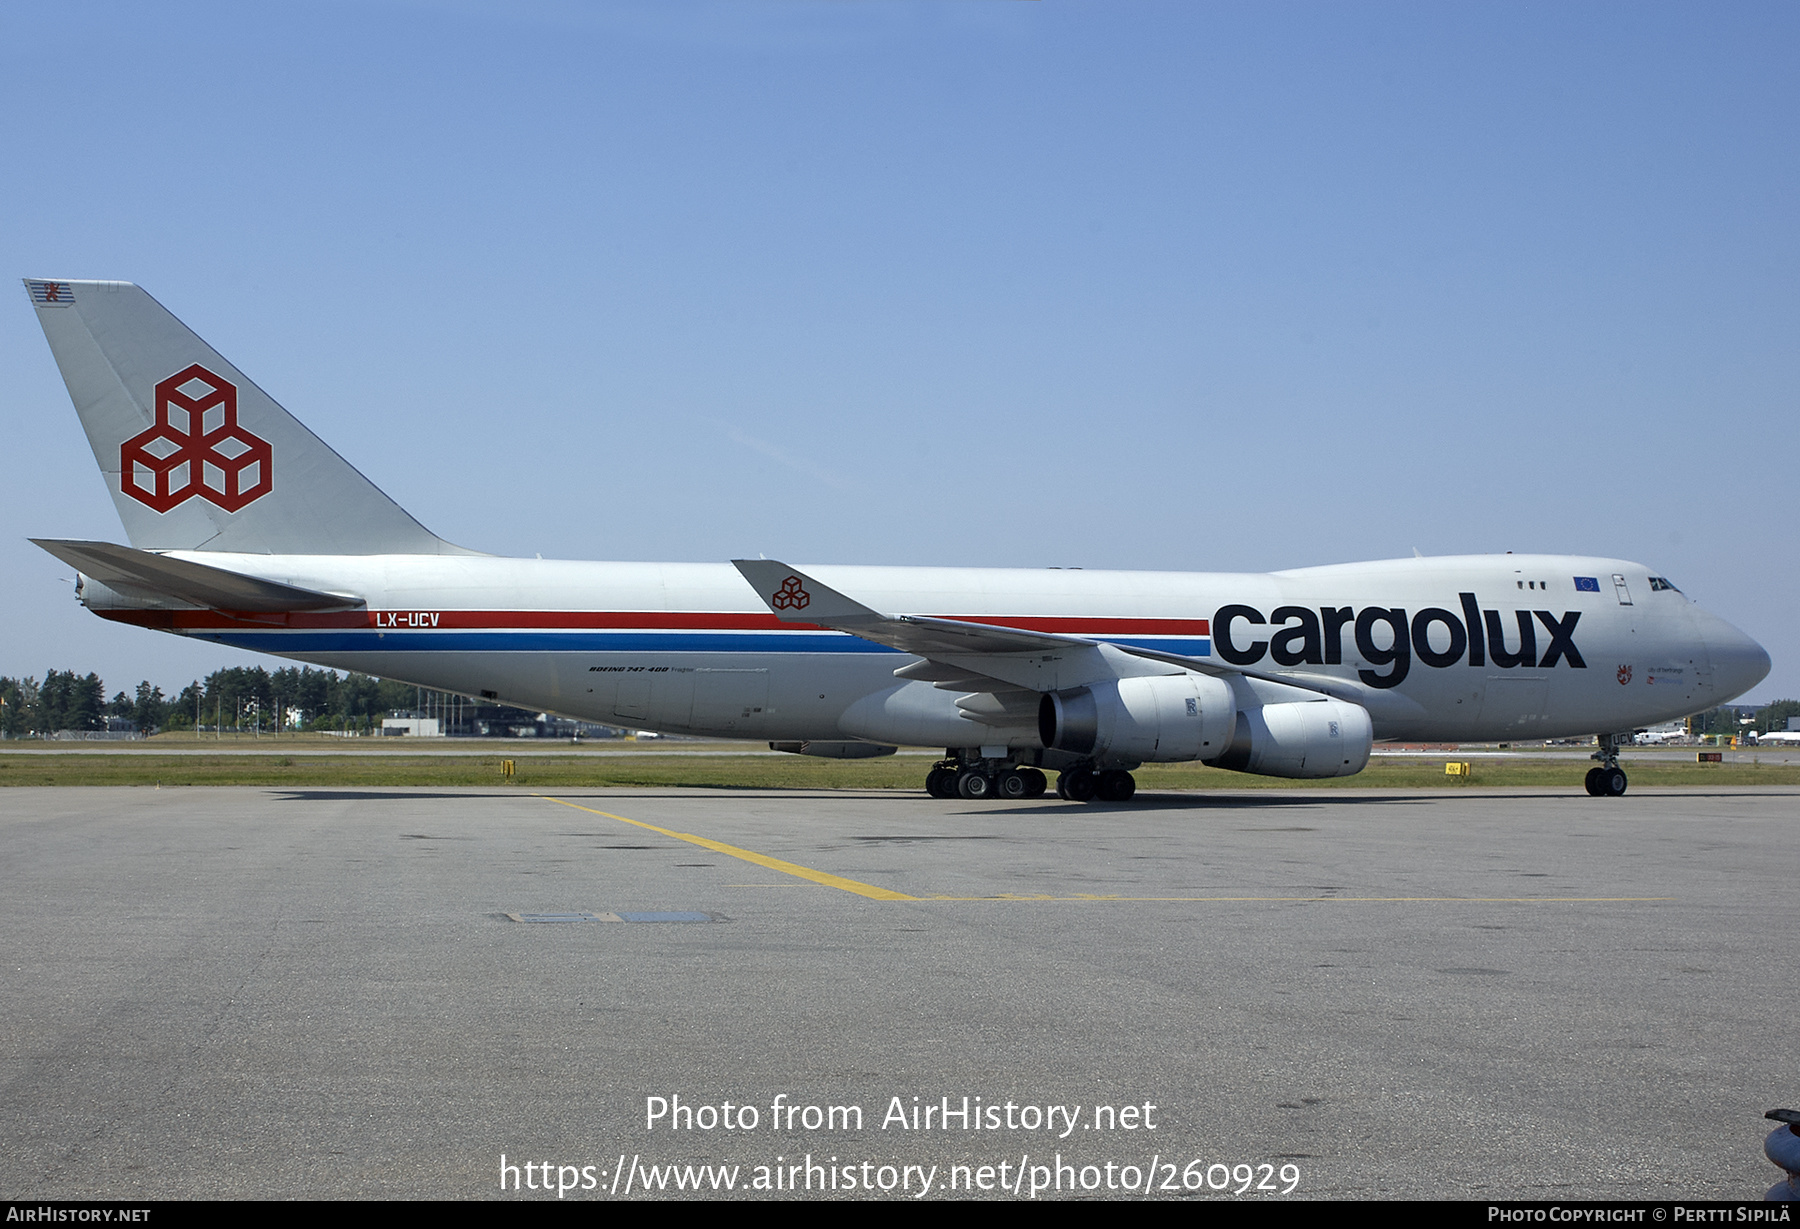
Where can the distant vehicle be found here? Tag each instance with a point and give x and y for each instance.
(246, 529)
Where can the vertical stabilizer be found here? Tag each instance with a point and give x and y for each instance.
(195, 455)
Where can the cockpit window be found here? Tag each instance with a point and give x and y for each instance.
(1658, 584)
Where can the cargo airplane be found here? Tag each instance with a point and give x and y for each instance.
(248, 530)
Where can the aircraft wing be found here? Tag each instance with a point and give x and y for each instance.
(964, 655)
(145, 574)
(1336, 688)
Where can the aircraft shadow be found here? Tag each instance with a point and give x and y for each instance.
(370, 795)
(1055, 806)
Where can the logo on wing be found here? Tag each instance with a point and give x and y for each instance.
(790, 596)
(196, 448)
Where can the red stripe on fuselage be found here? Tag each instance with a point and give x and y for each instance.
(638, 620)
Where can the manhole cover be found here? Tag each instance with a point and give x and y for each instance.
(682, 915)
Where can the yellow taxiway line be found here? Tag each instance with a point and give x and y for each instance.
(1312, 900)
(775, 864)
(874, 893)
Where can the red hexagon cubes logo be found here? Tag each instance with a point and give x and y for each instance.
(196, 448)
(790, 596)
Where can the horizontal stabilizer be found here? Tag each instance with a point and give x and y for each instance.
(143, 573)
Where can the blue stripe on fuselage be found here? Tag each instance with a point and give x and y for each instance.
(541, 642)
(1195, 647)
(300, 642)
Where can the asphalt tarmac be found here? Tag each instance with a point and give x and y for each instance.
(257, 993)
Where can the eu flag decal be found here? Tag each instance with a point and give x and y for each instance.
(1587, 584)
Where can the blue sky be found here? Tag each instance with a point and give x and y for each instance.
(1127, 285)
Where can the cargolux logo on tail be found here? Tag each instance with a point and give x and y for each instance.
(196, 448)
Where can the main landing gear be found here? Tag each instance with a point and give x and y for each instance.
(1086, 785)
(977, 779)
(1608, 780)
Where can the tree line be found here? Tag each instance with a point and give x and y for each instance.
(1728, 718)
(238, 698)
(252, 698)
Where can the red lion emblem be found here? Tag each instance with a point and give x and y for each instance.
(1624, 675)
(216, 461)
(791, 596)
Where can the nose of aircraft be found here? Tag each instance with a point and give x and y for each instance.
(1738, 662)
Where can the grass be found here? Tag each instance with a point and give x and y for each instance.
(580, 769)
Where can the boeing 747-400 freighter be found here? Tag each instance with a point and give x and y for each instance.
(246, 529)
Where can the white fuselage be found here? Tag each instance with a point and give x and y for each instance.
(691, 648)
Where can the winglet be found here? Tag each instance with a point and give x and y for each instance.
(796, 597)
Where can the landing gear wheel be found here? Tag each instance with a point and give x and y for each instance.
(1076, 785)
(1035, 781)
(1014, 785)
(974, 786)
(941, 782)
(1608, 780)
(1115, 785)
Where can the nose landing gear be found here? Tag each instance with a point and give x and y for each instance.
(1608, 780)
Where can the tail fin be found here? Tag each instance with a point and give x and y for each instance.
(195, 455)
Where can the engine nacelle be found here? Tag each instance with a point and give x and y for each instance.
(1318, 738)
(1142, 720)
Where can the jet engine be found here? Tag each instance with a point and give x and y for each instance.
(1141, 720)
(1317, 738)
